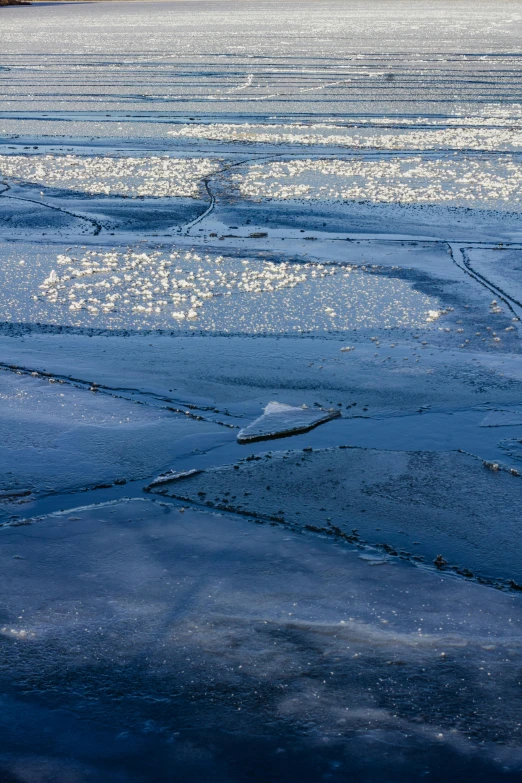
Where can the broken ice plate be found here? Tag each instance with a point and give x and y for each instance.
(280, 421)
(502, 418)
(171, 475)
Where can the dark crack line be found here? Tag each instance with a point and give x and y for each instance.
(466, 267)
(501, 293)
(206, 181)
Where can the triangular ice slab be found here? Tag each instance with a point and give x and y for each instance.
(279, 421)
(502, 418)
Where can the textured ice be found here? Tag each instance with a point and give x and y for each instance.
(280, 420)
(134, 630)
(313, 59)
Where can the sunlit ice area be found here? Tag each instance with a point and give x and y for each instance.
(261, 391)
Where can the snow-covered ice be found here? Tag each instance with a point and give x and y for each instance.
(116, 175)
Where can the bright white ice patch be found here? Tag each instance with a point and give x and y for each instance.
(482, 138)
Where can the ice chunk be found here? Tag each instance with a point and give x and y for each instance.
(280, 421)
(502, 418)
(172, 475)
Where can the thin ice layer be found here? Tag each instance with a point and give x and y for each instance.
(280, 420)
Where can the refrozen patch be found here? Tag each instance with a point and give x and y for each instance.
(280, 421)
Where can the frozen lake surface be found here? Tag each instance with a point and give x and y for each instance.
(271, 252)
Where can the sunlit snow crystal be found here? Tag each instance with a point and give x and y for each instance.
(280, 420)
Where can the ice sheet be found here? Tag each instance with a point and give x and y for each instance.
(55, 438)
(215, 646)
(205, 207)
(418, 504)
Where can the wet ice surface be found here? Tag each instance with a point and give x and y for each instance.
(313, 209)
(242, 652)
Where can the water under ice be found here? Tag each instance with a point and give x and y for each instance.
(280, 420)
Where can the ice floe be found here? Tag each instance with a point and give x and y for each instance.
(280, 420)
